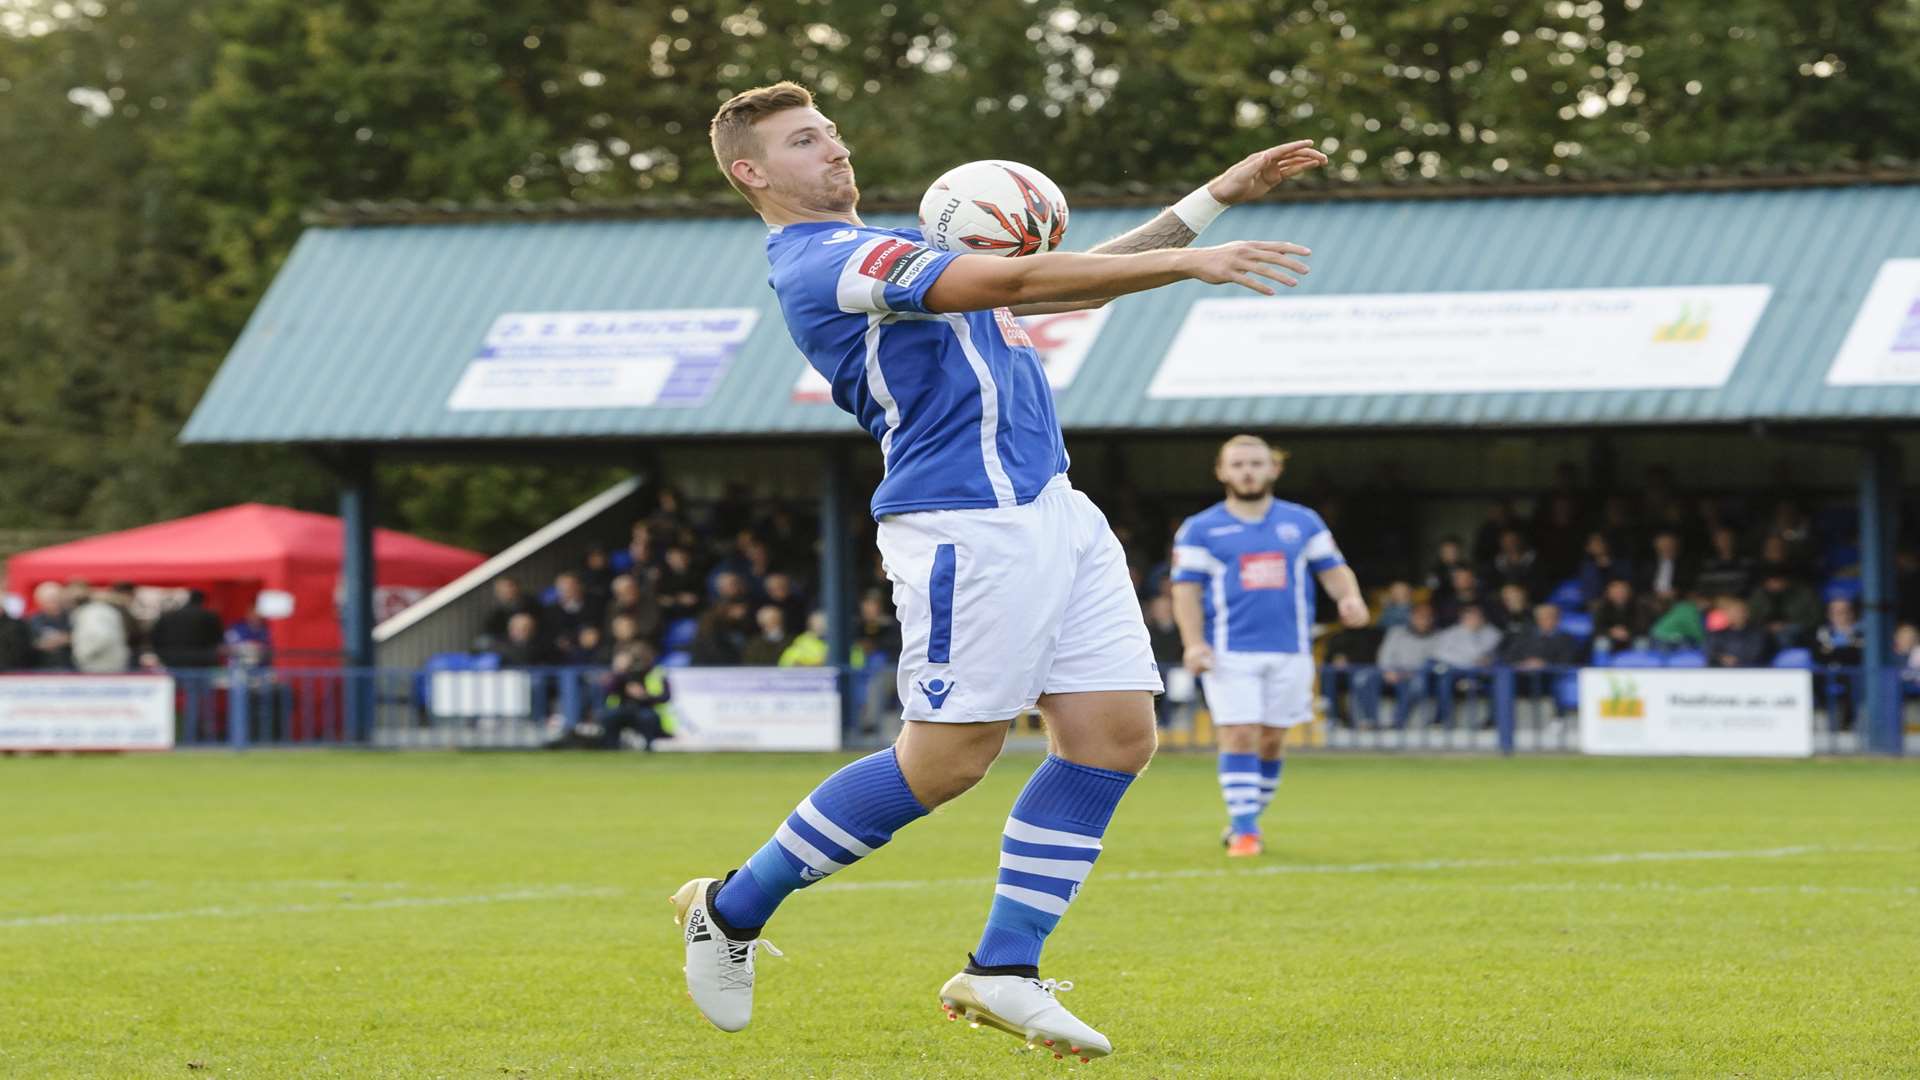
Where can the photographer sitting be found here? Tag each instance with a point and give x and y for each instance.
(634, 698)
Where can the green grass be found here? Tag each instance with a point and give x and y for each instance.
(428, 915)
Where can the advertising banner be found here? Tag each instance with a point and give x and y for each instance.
(1685, 337)
(602, 359)
(1882, 346)
(1728, 713)
(754, 709)
(86, 712)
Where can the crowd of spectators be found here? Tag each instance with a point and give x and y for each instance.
(77, 627)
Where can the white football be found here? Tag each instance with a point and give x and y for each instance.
(994, 208)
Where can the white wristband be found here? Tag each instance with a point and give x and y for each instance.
(1198, 209)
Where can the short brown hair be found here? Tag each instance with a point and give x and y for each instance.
(732, 131)
(1279, 455)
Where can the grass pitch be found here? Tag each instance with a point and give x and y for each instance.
(494, 915)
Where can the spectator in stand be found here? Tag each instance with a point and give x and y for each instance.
(1486, 539)
(572, 608)
(1465, 594)
(508, 601)
(809, 648)
(1557, 538)
(50, 628)
(724, 633)
(123, 597)
(1620, 620)
(1397, 610)
(633, 598)
(1794, 530)
(780, 593)
(789, 543)
(1599, 566)
(637, 558)
(878, 636)
(623, 632)
(1667, 575)
(250, 641)
(1513, 563)
(1451, 557)
(525, 645)
(596, 574)
(188, 636)
(16, 643)
(590, 649)
(1515, 609)
(1469, 644)
(1617, 521)
(1725, 572)
(1359, 647)
(1906, 653)
(1786, 608)
(1406, 662)
(99, 633)
(1839, 642)
(633, 698)
(770, 644)
(1538, 651)
(681, 585)
(1739, 644)
(1683, 625)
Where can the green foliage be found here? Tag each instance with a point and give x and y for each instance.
(160, 152)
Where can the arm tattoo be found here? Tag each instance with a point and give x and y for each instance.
(1164, 231)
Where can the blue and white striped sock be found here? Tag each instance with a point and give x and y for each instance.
(1269, 779)
(1051, 840)
(1240, 787)
(853, 812)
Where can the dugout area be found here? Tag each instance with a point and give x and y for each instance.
(373, 344)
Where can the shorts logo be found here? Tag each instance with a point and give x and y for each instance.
(1263, 570)
(1288, 533)
(936, 691)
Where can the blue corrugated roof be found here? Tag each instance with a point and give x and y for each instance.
(365, 332)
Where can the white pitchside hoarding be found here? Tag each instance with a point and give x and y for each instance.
(1725, 713)
(1684, 337)
(86, 712)
(795, 708)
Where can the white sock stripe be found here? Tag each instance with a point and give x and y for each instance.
(1245, 808)
(1039, 901)
(1240, 778)
(1034, 834)
(1064, 869)
(805, 852)
(812, 816)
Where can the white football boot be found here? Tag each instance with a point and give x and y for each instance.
(719, 969)
(1024, 1008)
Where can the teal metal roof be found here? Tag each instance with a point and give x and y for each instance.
(367, 329)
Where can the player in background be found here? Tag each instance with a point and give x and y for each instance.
(1011, 588)
(1244, 603)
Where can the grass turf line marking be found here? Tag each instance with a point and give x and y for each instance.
(1606, 859)
(557, 892)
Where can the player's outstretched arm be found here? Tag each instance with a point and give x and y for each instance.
(1344, 586)
(984, 282)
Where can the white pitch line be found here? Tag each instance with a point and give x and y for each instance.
(556, 892)
(1271, 869)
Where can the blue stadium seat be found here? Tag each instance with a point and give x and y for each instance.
(1636, 658)
(1687, 658)
(1577, 623)
(620, 561)
(1846, 588)
(1566, 692)
(1568, 594)
(1794, 658)
(549, 595)
(1840, 557)
(680, 633)
(677, 658)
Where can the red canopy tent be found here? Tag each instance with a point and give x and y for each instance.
(236, 553)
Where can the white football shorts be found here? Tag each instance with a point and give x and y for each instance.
(1270, 688)
(998, 606)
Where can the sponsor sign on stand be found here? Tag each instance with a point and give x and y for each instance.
(602, 359)
(1747, 712)
(86, 712)
(794, 708)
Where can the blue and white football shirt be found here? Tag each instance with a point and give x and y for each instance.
(1258, 594)
(959, 401)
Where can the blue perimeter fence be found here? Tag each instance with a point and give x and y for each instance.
(1497, 709)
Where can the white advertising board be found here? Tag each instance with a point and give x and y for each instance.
(754, 709)
(1062, 339)
(86, 712)
(1728, 713)
(602, 359)
(1684, 337)
(1882, 346)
